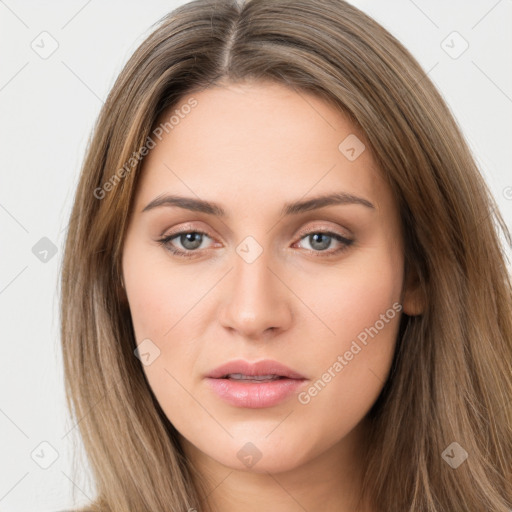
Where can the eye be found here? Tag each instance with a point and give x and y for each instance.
(192, 241)
(320, 241)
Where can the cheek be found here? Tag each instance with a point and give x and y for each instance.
(161, 300)
(160, 309)
(352, 297)
(151, 307)
(360, 306)
(158, 297)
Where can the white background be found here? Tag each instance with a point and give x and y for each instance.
(48, 107)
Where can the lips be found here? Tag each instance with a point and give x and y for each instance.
(254, 385)
(266, 368)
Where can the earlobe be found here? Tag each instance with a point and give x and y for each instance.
(413, 303)
(414, 299)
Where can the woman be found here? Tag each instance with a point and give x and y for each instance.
(283, 285)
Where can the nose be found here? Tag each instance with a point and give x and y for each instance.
(257, 302)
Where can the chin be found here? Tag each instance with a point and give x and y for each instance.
(261, 455)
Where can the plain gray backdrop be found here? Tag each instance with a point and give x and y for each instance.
(58, 61)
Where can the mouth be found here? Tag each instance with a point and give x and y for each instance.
(254, 385)
(264, 369)
(253, 378)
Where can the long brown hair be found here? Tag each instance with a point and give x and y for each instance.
(451, 378)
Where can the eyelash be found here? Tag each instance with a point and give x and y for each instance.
(346, 242)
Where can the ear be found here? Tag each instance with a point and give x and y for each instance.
(413, 296)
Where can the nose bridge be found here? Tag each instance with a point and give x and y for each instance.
(257, 300)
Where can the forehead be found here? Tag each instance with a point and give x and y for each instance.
(259, 142)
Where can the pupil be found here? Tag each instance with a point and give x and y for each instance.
(319, 245)
(191, 240)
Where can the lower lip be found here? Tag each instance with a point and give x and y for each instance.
(254, 395)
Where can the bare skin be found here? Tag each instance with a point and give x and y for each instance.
(251, 148)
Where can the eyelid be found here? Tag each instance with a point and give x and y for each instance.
(186, 228)
(315, 228)
(323, 228)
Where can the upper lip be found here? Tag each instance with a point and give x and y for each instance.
(257, 368)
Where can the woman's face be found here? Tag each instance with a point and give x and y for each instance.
(281, 276)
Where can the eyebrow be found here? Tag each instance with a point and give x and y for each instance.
(292, 208)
